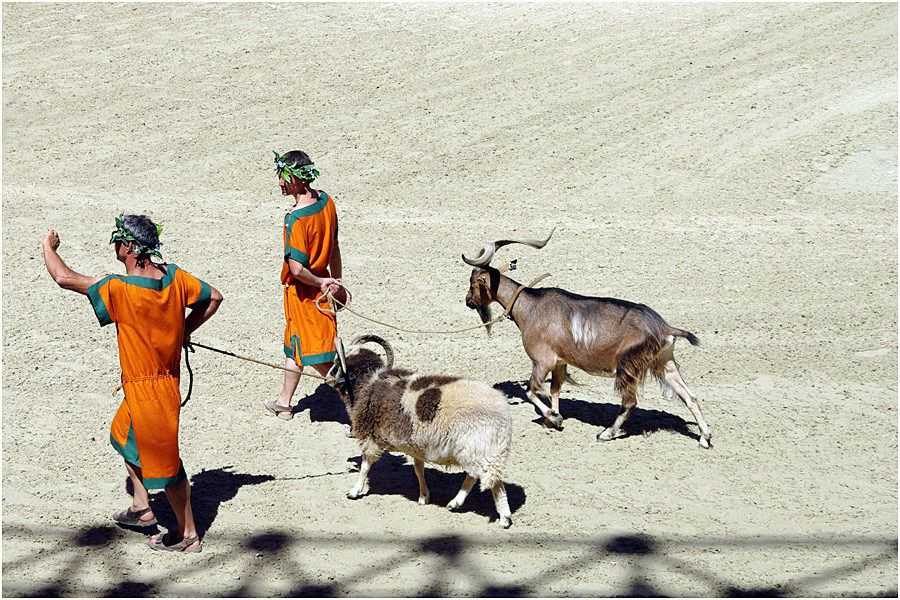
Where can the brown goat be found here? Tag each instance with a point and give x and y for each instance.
(601, 336)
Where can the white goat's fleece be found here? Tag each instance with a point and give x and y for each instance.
(472, 429)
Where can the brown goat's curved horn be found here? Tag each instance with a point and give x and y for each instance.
(487, 253)
(371, 337)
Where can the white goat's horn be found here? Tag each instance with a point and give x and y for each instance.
(371, 337)
(487, 253)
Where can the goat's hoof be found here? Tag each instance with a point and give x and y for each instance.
(423, 500)
(354, 495)
(453, 505)
(706, 442)
(553, 420)
(505, 522)
(605, 435)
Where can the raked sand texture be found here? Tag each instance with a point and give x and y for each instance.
(732, 166)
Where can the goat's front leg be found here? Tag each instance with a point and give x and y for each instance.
(555, 385)
(419, 467)
(538, 375)
(366, 463)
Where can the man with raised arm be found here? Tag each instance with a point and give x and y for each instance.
(148, 305)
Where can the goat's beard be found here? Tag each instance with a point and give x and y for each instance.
(485, 313)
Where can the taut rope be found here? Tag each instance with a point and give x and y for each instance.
(259, 362)
(332, 301)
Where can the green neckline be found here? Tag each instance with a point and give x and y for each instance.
(312, 209)
(150, 283)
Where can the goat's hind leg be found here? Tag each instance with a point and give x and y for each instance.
(463, 493)
(629, 401)
(674, 380)
(502, 504)
(538, 375)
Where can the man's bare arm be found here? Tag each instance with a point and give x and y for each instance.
(200, 315)
(335, 265)
(306, 276)
(64, 277)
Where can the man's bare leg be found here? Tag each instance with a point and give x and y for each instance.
(291, 379)
(179, 495)
(139, 499)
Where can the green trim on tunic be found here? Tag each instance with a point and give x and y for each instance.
(97, 303)
(300, 257)
(150, 283)
(318, 359)
(129, 451)
(158, 483)
(205, 294)
(292, 217)
(312, 359)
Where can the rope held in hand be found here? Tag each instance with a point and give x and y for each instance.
(332, 301)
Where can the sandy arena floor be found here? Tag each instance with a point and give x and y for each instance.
(732, 166)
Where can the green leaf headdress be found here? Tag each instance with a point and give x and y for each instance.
(121, 234)
(285, 171)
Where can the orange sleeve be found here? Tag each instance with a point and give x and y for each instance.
(102, 296)
(297, 246)
(197, 291)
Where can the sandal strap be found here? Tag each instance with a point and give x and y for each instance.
(184, 543)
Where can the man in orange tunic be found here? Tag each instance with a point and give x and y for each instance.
(147, 305)
(312, 265)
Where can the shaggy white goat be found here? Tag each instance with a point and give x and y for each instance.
(438, 419)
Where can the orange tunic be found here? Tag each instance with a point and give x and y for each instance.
(309, 237)
(149, 317)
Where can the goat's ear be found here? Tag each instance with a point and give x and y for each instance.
(483, 279)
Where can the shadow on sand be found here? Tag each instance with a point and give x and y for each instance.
(643, 421)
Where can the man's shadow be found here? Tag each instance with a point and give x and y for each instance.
(324, 404)
(209, 490)
(643, 421)
(391, 476)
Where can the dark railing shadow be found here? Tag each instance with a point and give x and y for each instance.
(209, 489)
(324, 404)
(646, 562)
(643, 421)
(391, 476)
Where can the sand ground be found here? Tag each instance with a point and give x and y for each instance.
(732, 166)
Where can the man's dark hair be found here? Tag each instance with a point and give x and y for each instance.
(143, 229)
(297, 158)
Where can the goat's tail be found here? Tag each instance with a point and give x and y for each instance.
(693, 339)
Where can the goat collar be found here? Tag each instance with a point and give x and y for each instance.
(508, 310)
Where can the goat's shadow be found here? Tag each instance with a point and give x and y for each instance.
(391, 476)
(209, 489)
(324, 404)
(643, 421)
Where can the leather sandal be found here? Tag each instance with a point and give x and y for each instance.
(182, 546)
(282, 412)
(133, 518)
